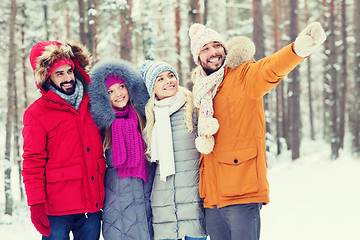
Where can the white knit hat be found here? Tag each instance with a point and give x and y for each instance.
(200, 36)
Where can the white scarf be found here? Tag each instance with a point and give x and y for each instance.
(162, 149)
(204, 91)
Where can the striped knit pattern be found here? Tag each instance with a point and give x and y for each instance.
(151, 69)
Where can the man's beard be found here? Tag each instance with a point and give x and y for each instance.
(69, 91)
(208, 70)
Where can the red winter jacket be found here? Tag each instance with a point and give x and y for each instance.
(63, 164)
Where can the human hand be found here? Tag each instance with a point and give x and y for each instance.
(309, 39)
(39, 219)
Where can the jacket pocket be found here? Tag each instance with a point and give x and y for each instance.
(101, 176)
(237, 172)
(64, 188)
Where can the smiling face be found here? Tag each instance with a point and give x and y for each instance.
(212, 57)
(118, 95)
(63, 79)
(165, 85)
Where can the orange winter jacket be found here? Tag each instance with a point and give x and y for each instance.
(235, 171)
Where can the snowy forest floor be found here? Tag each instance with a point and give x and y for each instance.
(312, 198)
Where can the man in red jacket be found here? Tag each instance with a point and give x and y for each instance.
(63, 166)
(229, 86)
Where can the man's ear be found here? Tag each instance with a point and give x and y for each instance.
(49, 81)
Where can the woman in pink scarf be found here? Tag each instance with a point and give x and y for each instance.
(118, 110)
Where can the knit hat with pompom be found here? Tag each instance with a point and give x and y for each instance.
(200, 36)
(151, 69)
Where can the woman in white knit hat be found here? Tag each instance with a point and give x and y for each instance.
(171, 126)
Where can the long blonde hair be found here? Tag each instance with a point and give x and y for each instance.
(107, 143)
(150, 117)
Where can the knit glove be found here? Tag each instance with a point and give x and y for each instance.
(39, 219)
(309, 39)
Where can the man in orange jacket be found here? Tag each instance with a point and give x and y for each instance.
(228, 91)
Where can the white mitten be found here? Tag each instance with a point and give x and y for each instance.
(205, 144)
(208, 126)
(309, 39)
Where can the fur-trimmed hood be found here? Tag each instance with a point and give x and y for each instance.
(100, 105)
(78, 53)
(240, 49)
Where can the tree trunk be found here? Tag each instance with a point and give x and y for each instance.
(96, 24)
(90, 26)
(326, 113)
(23, 54)
(125, 32)
(206, 11)
(258, 36)
(343, 78)
(309, 78)
(294, 88)
(17, 132)
(356, 113)
(25, 103)
(311, 114)
(279, 89)
(258, 29)
(333, 83)
(46, 20)
(10, 112)
(67, 22)
(194, 17)
(284, 84)
(230, 16)
(82, 22)
(146, 30)
(177, 35)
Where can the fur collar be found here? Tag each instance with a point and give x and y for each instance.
(240, 49)
(101, 108)
(70, 50)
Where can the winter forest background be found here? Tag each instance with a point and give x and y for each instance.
(318, 101)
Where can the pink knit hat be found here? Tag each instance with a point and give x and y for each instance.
(200, 36)
(111, 80)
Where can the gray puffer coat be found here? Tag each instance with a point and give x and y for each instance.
(176, 205)
(126, 212)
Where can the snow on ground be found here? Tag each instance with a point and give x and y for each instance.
(312, 198)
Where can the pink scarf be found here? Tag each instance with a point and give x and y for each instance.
(128, 147)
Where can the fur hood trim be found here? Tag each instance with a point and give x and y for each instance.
(240, 49)
(100, 105)
(78, 53)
